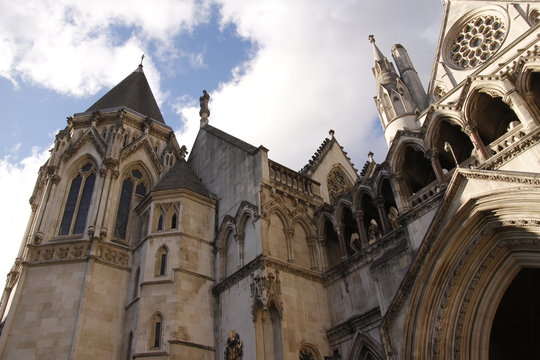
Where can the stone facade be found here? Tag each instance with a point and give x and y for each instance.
(135, 252)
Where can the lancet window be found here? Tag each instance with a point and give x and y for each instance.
(78, 200)
(161, 261)
(156, 330)
(133, 191)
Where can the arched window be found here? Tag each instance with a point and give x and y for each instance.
(161, 261)
(173, 221)
(156, 330)
(160, 223)
(133, 191)
(78, 201)
(308, 352)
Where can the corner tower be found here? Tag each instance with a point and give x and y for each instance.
(394, 100)
(108, 207)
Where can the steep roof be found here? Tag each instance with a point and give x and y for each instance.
(181, 176)
(230, 139)
(132, 92)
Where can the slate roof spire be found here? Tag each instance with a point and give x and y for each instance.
(133, 92)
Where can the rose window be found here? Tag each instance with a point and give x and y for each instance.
(477, 41)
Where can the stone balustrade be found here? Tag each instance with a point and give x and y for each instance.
(292, 181)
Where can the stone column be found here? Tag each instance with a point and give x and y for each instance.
(383, 216)
(342, 244)
(289, 233)
(312, 241)
(436, 165)
(322, 252)
(473, 134)
(521, 109)
(362, 233)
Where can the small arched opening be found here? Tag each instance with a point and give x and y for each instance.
(372, 221)
(493, 117)
(460, 143)
(350, 231)
(333, 251)
(417, 170)
(534, 87)
(390, 206)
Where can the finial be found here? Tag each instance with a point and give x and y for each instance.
(142, 58)
(205, 111)
(371, 39)
(331, 133)
(370, 156)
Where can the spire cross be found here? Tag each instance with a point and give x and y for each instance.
(142, 58)
(371, 39)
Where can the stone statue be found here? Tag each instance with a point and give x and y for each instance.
(354, 242)
(203, 101)
(373, 231)
(235, 347)
(393, 215)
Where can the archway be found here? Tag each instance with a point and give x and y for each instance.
(516, 326)
(492, 116)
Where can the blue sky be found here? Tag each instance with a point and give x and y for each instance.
(281, 73)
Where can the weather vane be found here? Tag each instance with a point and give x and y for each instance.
(142, 58)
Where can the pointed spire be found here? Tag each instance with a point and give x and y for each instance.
(134, 93)
(377, 55)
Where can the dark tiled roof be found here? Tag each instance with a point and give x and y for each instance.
(132, 92)
(181, 176)
(230, 139)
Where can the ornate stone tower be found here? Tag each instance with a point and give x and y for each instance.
(399, 98)
(111, 205)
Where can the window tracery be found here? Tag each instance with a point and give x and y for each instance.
(78, 201)
(477, 40)
(338, 183)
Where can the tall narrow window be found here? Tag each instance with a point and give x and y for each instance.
(78, 201)
(156, 331)
(133, 190)
(161, 261)
(160, 223)
(173, 222)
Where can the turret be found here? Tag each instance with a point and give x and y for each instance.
(409, 75)
(394, 102)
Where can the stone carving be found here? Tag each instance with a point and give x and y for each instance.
(393, 215)
(203, 102)
(265, 290)
(112, 256)
(354, 242)
(338, 183)
(57, 253)
(373, 231)
(235, 347)
(306, 354)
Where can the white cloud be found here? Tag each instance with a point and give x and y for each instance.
(312, 72)
(17, 179)
(76, 47)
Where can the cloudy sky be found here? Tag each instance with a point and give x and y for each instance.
(281, 73)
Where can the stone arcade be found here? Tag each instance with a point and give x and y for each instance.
(135, 251)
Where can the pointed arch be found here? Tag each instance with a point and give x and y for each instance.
(161, 261)
(227, 248)
(78, 200)
(157, 325)
(278, 234)
(365, 348)
(134, 187)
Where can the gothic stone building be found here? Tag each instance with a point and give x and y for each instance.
(136, 251)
